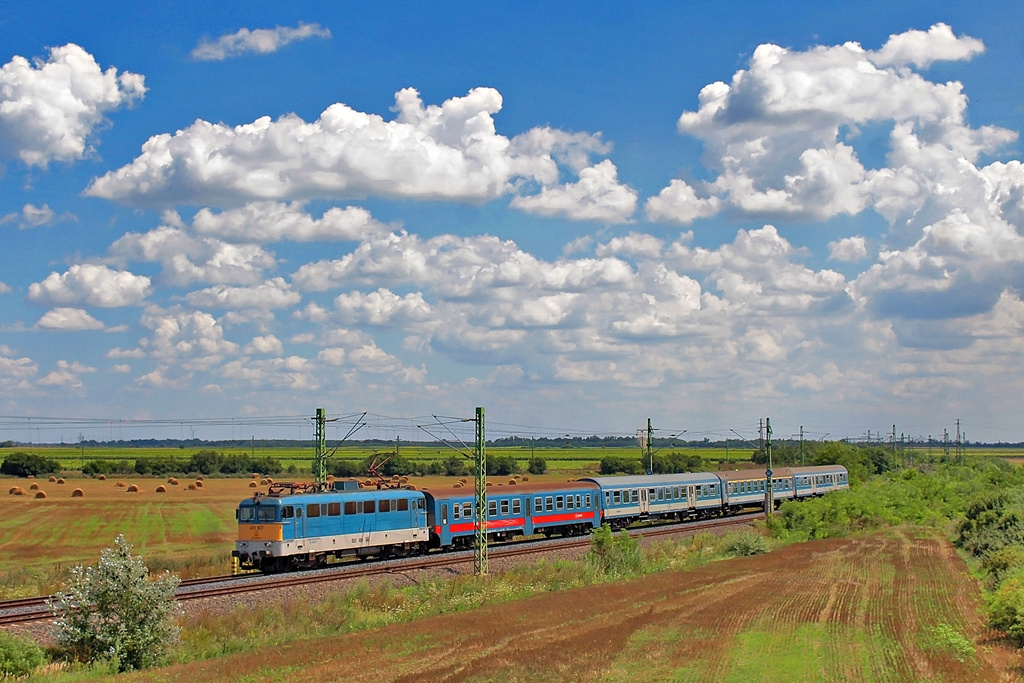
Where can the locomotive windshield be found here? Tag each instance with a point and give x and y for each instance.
(257, 513)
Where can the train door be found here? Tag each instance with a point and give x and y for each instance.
(691, 496)
(300, 527)
(419, 515)
(645, 503)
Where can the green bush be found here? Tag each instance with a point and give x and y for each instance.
(18, 656)
(615, 464)
(747, 542)
(537, 466)
(1006, 607)
(614, 554)
(503, 465)
(116, 612)
(23, 464)
(94, 467)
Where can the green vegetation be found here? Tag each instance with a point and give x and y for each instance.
(21, 464)
(18, 656)
(116, 612)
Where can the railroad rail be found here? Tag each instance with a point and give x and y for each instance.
(24, 610)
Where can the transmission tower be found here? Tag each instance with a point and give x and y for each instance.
(480, 539)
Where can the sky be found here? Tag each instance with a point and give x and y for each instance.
(576, 215)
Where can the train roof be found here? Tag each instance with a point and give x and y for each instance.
(644, 480)
(518, 489)
(331, 496)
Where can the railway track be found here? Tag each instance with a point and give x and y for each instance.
(34, 609)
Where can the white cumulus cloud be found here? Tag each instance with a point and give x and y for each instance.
(258, 41)
(91, 285)
(68, 319)
(50, 108)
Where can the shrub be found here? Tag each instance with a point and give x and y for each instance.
(1006, 607)
(116, 611)
(615, 464)
(503, 465)
(537, 466)
(23, 464)
(105, 467)
(19, 657)
(614, 554)
(747, 542)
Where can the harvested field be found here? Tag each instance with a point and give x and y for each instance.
(862, 609)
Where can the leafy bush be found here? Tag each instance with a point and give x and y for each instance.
(115, 611)
(18, 656)
(537, 466)
(989, 525)
(347, 468)
(615, 464)
(94, 467)
(746, 543)
(1006, 607)
(456, 466)
(614, 554)
(159, 467)
(948, 638)
(23, 464)
(503, 465)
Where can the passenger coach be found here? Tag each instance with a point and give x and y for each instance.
(633, 498)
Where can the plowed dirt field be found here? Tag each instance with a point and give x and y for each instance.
(864, 609)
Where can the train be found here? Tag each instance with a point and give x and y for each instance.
(297, 526)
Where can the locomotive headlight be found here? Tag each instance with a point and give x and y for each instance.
(244, 545)
(267, 544)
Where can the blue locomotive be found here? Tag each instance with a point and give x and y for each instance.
(293, 526)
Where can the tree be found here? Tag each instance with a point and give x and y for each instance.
(117, 611)
(537, 466)
(23, 464)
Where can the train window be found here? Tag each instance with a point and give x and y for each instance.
(313, 510)
(570, 503)
(266, 513)
(385, 506)
(298, 511)
(467, 510)
(287, 512)
(368, 506)
(615, 497)
(492, 508)
(517, 507)
(559, 503)
(350, 507)
(588, 501)
(579, 501)
(607, 498)
(549, 503)
(713, 490)
(403, 504)
(456, 511)
(538, 504)
(246, 513)
(334, 509)
(504, 507)
(636, 495)
(444, 514)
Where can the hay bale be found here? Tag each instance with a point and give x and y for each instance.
(457, 486)
(256, 475)
(33, 487)
(252, 484)
(368, 482)
(511, 482)
(199, 483)
(120, 484)
(172, 481)
(40, 494)
(200, 478)
(161, 489)
(53, 479)
(490, 484)
(403, 480)
(102, 477)
(525, 478)
(16, 491)
(61, 480)
(191, 487)
(78, 493)
(411, 487)
(132, 489)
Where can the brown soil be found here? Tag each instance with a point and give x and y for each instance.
(874, 601)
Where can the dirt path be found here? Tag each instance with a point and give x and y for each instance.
(839, 610)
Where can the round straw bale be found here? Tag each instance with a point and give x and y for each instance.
(102, 477)
(120, 484)
(132, 489)
(227, 476)
(161, 489)
(490, 484)
(255, 475)
(16, 491)
(263, 482)
(411, 487)
(61, 480)
(403, 480)
(199, 478)
(77, 493)
(526, 478)
(457, 486)
(199, 483)
(191, 487)
(252, 484)
(330, 477)
(33, 487)
(31, 476)
(511, 482)
(53, 479)
(40, 494)
(172, 481)
(368, 482)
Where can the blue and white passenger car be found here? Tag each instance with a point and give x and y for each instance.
(630, 499)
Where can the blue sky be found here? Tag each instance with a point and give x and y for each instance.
(578, 215)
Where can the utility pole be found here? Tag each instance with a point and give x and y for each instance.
(769, 498)
(320, 456)
(650, 447)
(959, 452)
(801, 445)
(893, 441)
(480, 491)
